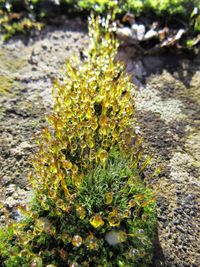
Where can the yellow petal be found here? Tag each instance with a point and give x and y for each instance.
(108, 198)
(67, 164)
(81, 212)
(126, 213)
(91, 242)
(114, 221)
(77, 179)
(91, 143)
(122, 236)
(96, 221)
(103, 121)
(103, 154)
(74, 168)
(131, 203)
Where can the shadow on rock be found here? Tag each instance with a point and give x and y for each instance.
(162, 137)
(158, 255)
(177, 65)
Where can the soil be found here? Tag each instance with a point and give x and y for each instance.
(168, 111)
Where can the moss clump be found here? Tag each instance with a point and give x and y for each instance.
(165, 7)
(110, 223)
(5, 84)
(91, 207)
(10, 62)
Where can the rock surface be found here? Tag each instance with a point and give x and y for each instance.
(168, 109)
(169, 114)
(31, 65)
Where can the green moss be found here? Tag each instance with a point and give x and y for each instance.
(170, 7)
(91, 206)
(10, 62)
(5, 84)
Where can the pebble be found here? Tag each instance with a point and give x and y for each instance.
(125, 32)
(180, 229)
(138, 31)
(151, 34)
(10, 189)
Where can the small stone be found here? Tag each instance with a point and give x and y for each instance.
(179, 210)
(138, 31)
(15, 195)
(55, 36)
(25, 145)
(177, 222)
(44, 46)
(180, 228)
(10, 189)
(150, 34)
(125, 32)
(21, 192)
(10, 202)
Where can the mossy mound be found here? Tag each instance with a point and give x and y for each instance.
(91, 206)
(5, 84)
(9, 64)
(110, 222)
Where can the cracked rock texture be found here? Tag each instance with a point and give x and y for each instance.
(168, 110)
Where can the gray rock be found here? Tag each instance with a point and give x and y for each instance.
(125, 32)
(150, 34)
(10, 189)
(138, 31)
